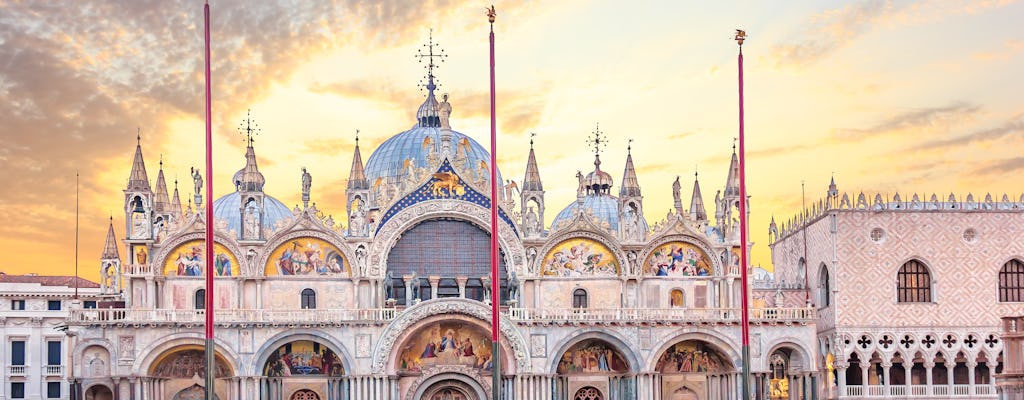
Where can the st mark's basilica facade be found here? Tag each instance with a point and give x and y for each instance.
(393, 303)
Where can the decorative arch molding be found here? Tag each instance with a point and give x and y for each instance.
(792, 344)
(158, 260)
(605, 239)
(291, 335)
(79, 354)
(609, 336)
(163, 344)
(260, 268)
(106, 383)
(720, 342)
(689, 238)
(479, 384)
(388, 234)
(384, 353)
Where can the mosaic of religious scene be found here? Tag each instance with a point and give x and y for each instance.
(303, 357)
(186, 364)
(188, 258)
(591, 355)
(446, 343)
(689, 356)
(577, 257)
(307, 256)
(194, 392)
(678, 259)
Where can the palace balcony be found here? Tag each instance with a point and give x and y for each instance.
(381, 316)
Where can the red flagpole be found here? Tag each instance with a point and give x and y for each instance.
(210, 367)
(745, 311)
(495, 277)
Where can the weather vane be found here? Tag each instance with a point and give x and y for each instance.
(629, 146)
(532, 135)
(598, 140)
(357, 137)
(248, 127)
(430, 56)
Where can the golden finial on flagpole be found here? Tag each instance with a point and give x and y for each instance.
(491, 14)
(740, 36)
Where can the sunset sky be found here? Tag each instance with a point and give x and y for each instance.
(890, 96)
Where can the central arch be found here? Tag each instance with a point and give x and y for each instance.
(454, 384)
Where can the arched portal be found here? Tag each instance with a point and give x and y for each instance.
(449, 390)
(428, 249)
(694, 369)
(182, 366)
(99, 392)
(591, 363)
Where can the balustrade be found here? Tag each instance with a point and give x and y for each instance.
(16, 370)
(921, 391)
(53, 370)
(657, 314)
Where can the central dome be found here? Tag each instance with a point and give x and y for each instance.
(388, 161)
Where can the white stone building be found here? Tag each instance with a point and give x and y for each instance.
(909, 291)
(34, 345)
(393, 303)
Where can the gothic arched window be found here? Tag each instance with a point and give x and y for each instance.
(824, 287)
(579, 298)
(200, 300)
(1011, 282)
(913, 283)
(308, 299)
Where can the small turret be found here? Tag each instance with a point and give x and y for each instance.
(138, 199)
(532, 197)
(357, 194)
(631, 216)
(697, 203)
(249, 183)
(110, 263)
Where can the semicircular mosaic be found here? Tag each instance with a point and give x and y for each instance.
(303, 358)
(678, 259)
(307, 256)
(189, 259)
(446, 343)
(579, 257)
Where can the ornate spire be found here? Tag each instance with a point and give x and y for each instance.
(697, 202)
(160, 200)
(110, 247)
(833, 191)
(176, 203)
(732, 183)
(597, 182)
(428, 114)
(249, 178)
(630, 185)
(357, 176)
(138, 180)
(532, 179)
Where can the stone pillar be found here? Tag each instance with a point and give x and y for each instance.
(434, 282)
(864, 375)
(150, 293)
(949, 375)
(886, 366)
(971, 365)
(908, 376)
(486, 282)
(461, 281)
(259, 294)
(728, 294)
(929, 367)
(407, 281)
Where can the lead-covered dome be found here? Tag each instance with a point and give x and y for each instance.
(423, 145)
(228, 208)
(605, 208)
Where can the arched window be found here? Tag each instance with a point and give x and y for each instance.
(676, 298)
(1011, 281)
(200, 300)
(824, 287)
(308, 299)
(913, 283)
(579, 298)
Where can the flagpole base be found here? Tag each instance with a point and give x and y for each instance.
(211, 370)
(495, 371)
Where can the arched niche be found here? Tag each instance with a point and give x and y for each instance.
(303, 358)
(592, 356)
(307, 256)
(685, 366)
(580, 256)
(95, 362)
(186, 362)
(441, 343)
(189, 259)
(678, 258)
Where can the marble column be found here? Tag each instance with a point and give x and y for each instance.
(461, 281)
(150, 293)
(971, 365)
(259, 294)
(929, 368)
(949, 376)
(886, 366)
(434, 283)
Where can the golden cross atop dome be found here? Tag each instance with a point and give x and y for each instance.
(430, 56)
(598, 140)
(248, 127)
